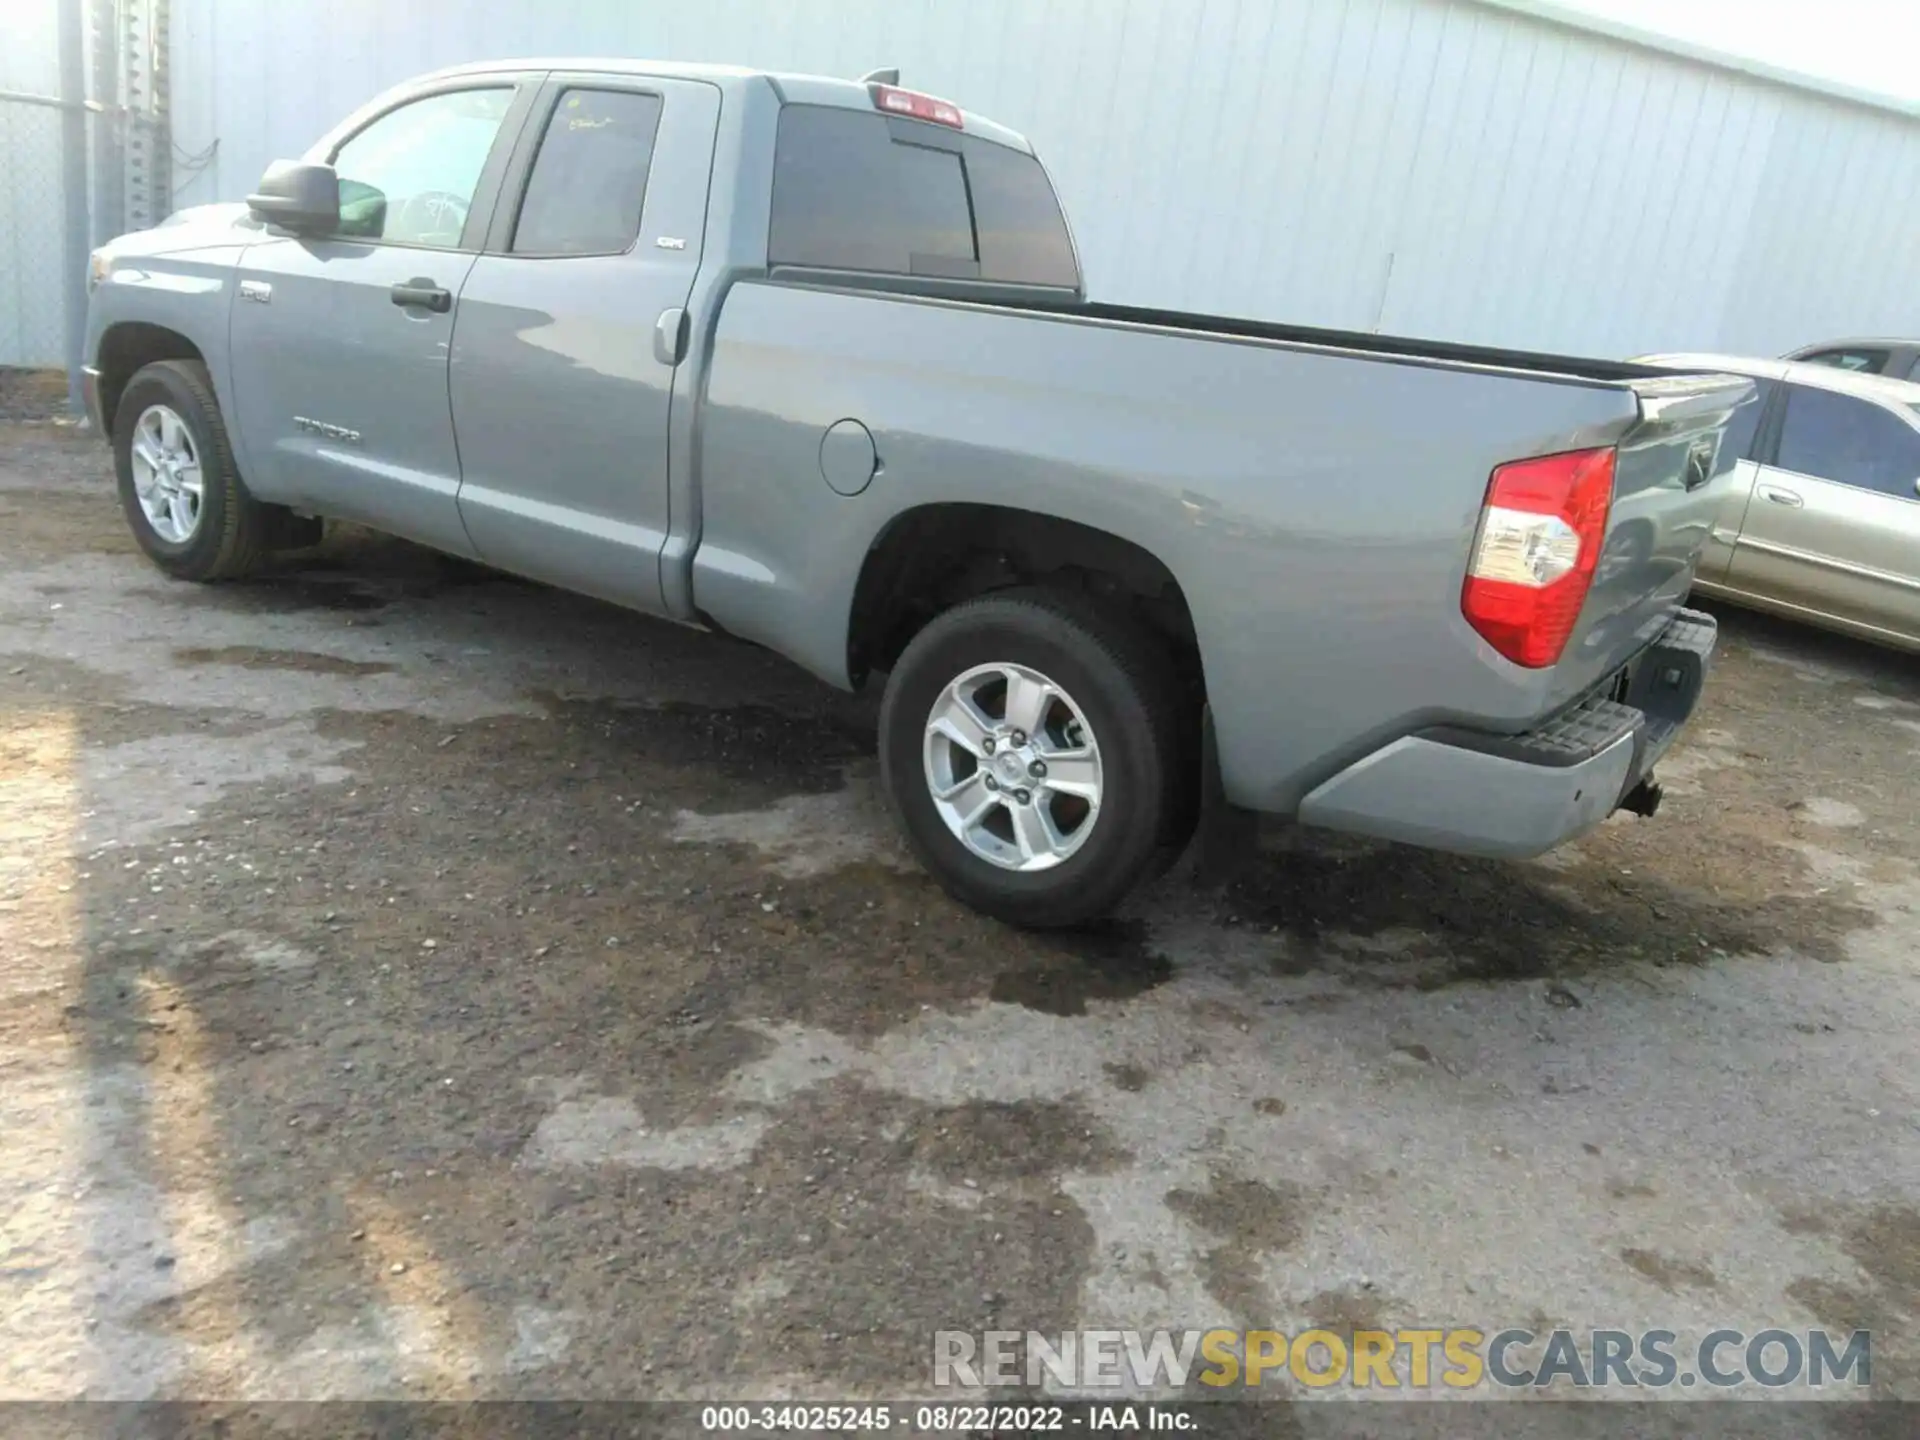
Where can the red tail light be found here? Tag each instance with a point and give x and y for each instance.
(896, 101)
(1539, 539)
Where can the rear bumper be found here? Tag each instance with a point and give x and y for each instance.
(1519, 795)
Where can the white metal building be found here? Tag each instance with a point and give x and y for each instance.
(82, 145)
(32, 323)
(1485, 170)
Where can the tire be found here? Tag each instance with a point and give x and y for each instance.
(229, 531)
(1102, 669)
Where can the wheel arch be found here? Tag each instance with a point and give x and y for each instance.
(931, 557)
(128, 346)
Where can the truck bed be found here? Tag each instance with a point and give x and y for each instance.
(1315, 500)
(1384, 347)
(1579, 369)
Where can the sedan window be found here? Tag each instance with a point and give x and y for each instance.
(1866, 362)
(1745, 424)
(1854, 442)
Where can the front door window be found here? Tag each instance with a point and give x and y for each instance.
(409, 177)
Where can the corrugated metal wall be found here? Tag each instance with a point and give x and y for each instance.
(1434, 167)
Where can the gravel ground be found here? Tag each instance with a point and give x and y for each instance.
(32, 394)
(421, 983)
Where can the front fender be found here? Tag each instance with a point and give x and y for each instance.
(183, 294)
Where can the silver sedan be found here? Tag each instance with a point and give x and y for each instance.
(1820, 517)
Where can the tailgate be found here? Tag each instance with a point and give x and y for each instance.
(1667, 485)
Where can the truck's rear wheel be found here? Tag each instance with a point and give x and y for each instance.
(179, 485)
(1031, 746)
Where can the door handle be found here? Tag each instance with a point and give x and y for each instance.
(1781, 496)
(670, 336)
(425, 294)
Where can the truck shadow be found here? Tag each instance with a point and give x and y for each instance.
(1394, 916)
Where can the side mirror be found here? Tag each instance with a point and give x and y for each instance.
(298, 196)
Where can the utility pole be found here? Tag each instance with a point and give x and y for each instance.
(73, 186)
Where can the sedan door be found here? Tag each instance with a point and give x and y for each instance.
(341, 342)
(1733, 486)
(572, 327)
(1834, 524)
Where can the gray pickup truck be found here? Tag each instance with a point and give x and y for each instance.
(808, 361)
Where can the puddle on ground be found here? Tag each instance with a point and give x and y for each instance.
(1885, 1243)
(1248, 1218)
(1346, 1311)
(1111, 960)
(289, 595)
(354, 574)
(250, 657)
(788, 752)
(1669, 1273)
(1463, 919)
(986, 1141)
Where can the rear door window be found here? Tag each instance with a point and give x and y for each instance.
(886, 195)
(589, 178)
(1854, 442)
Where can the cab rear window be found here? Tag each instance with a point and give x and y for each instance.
(886, 195)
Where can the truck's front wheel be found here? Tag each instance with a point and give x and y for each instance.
(179, 485)
(1030, 742)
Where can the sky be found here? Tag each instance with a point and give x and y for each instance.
(1868, 44)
